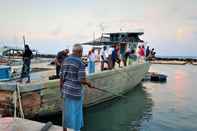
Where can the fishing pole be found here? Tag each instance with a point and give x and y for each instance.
(106, 91)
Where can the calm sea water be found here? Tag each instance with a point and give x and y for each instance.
(171, 106)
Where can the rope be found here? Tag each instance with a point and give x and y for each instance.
(15, 109)
(20, 104)
(16, 96)
(15, 101)
(109, 92)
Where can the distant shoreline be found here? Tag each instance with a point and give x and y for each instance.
(174, 61)
(156, 60)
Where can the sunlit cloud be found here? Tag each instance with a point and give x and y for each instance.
(166, 24)
(183, 34)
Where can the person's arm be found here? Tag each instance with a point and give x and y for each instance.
(61, 74)
(102, 57)
(31, 55)
(57, 59)
(82, 76)
(57, 62)
(61, 82)
(86, 82)
(23, 55)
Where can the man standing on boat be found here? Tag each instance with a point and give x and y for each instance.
(59, 59)
(110, 50)
(27, 56)
(147, 51)
(104, 58)
(122, 53)
(72, 77)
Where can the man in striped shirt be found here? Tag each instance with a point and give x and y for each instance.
(72, 77)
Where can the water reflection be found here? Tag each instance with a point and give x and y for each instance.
(175, 101)
(155, 107)
(120, 114)
(180, 82)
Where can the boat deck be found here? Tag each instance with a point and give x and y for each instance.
(47, 70)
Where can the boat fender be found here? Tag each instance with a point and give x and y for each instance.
(158, 77)
(47, 126)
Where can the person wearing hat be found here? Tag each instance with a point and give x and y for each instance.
(104, 58)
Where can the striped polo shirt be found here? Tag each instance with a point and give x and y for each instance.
(72, 72)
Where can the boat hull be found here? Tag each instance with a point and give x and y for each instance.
(44, 97)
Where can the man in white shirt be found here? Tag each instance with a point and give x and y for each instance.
(111, 49)
(104, 57)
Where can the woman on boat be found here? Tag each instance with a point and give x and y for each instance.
(91, 61)
(27, 56)
(72, 77)
(141, 53)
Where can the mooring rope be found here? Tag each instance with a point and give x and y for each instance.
(20, 104)
(15, 101)
(17, 96)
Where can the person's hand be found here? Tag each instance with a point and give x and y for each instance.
(92, 86)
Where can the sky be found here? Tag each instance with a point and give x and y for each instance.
(170, 26)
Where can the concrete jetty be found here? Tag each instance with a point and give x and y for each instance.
(173, 61)
(19, 124)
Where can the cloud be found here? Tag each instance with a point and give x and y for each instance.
(193, 18)
(166, 23)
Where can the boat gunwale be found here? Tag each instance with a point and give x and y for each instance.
(114, 71)
(38, 86)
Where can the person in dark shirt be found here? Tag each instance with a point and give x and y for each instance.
(59, 59)
(115, 56)
(27, 56)
(126, 56)
(153, 53)
(147, 51)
